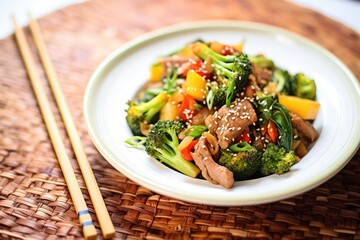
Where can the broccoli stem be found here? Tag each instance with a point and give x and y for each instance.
(152, 107)
(203, 51)
(177, 162)
(230, 92)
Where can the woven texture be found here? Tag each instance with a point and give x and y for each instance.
(34, 199)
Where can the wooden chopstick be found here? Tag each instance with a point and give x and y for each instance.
(81, 208)
(102, 214)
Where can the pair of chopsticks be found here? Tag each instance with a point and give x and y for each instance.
(102, 214)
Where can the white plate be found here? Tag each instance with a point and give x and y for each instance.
(122, 73)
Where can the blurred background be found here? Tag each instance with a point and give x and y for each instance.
(345, 11)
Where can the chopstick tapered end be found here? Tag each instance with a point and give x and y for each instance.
(109, 235)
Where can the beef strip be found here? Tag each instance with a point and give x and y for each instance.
(199, 119)
(175, 61)
(251, 87)
(262, 75)
(304, 128)
(228, 122)
(210, 170)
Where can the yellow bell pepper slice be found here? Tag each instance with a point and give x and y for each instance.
(216, 46)
(170, 111)
(195, 86)
(156, 72)
(305, 108)
(187, 52)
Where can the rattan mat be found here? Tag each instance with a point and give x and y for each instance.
(35, 202)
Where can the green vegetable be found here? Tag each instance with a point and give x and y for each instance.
(144, 112)
(261, 61)
(276, 159)
(162, 143)
(232, 72)
(136, 142)
(304, 87)
(196, 131)
(244, 165)
(169, 84)
(210, 96)
(284, 81)
(240, 147)
(270, 108)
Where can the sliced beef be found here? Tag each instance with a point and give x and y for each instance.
(250, 88)
(175, 61)
(210, 170)
(262, 75)
(304, 128)
(228, 122)
(199, 119)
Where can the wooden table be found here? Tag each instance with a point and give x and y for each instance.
(34, 200)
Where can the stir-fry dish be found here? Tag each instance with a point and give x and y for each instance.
(211, 111)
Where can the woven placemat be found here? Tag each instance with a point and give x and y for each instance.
(34, 200)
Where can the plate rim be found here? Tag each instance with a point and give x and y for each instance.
(178, 28)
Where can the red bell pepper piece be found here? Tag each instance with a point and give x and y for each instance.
(185, 153)
(244, 137)
(227, 50)
(197, 66)
(272, 131)
(187, 108)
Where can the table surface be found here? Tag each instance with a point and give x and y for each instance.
(34, 199)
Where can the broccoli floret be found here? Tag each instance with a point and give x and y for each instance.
(277, 160)
(304, 86)
(162, 143)
(262, 62)
(144, 112)
(284, 81)
(232, 73)
(244, 165)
